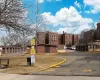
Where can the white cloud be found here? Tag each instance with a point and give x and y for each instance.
(95, 4)
(77, 4)
(69, 30)
(70, 19)
(40, 1)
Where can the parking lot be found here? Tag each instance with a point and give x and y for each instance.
(77, 64)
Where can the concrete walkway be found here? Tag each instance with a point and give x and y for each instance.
(36, 77)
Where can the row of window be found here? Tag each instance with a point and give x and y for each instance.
(53, 37)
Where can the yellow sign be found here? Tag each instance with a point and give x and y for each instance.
(32, 51)
(33, 41)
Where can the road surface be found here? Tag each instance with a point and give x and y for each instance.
(77, 64)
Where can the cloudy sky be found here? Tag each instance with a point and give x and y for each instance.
(71, 16)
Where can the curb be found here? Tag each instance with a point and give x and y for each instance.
(53, 65)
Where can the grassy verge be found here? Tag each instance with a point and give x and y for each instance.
(18, 64)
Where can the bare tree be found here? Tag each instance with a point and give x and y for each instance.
(4, 41)
(12, 15)
(15, 39)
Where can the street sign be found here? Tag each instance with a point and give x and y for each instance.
(32, 50)
(32, 46)
(33, 41)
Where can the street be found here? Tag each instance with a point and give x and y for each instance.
(77, 64)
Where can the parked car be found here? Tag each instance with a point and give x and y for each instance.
(73, 48)
(70, 48)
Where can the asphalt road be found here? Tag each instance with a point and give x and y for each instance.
(77, 64)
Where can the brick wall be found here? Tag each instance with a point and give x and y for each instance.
(53, 38)
(60, 39)
(40, 49)
(98, 32)
(41, 38)
(53, 49)
(68, 39)
(14, 50)
(75, 39)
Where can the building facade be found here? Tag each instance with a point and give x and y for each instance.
(47, 42)
(90, 40)
(13, 50)
(68, 40)
(75, 39)
(98, 32)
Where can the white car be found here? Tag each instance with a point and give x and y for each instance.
(73, 48)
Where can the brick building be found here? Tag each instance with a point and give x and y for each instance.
(91, 40)
(60, 39)
(41, 38)
(67, 40)
(88, 36)
(75, 39)
(13, 50)
(47, 42)
(98, 32)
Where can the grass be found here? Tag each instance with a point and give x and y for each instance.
(18, 64)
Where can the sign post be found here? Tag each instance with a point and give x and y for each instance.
(33, 51)
(31, 59)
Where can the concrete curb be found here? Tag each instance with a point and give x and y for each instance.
(53, 65)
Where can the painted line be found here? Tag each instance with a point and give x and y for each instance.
(53, 65)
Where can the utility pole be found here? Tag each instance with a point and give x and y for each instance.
(36, 27)
(93, 32)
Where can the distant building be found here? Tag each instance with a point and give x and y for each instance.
(13, 50)
(98, 32)
(67, 40)
(90, 40)
(60, 39)
(75, 39)
(47, 42)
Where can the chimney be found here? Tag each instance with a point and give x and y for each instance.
(63, 32)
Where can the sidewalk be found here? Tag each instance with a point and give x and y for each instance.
(36, 77)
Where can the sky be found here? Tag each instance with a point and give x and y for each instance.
(71, 16)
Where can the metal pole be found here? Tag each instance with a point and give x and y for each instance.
(36, 25)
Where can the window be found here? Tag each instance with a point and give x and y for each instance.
(54, 38)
